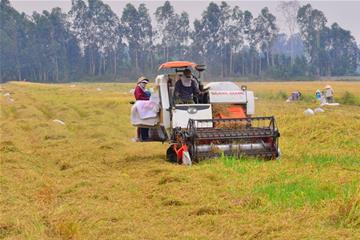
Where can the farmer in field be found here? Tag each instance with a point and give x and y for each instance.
(329, 94)
(186, 89)
(318, 95)
(142, 94)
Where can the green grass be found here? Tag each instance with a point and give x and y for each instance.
(349, 98)
(328, 160)
(287, 192)
(87, 180)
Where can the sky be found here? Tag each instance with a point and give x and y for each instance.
(345, 13)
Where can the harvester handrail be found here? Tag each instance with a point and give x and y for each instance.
(195, 125)
(271, 119)
(229, 119)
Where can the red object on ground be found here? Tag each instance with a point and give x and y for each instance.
(180, 151)
(233, 112)
(177, 64)
(140, 94)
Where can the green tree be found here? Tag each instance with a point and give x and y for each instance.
(265, 31)
(183, 34)
(312, 25)
(139, 35)
(173, 31)
(51, 38)
(165, 17)
(198, 45)
(236, 34)
(132, 29)
(208, 35)
(97, 28)
(146, 38)
(14, 43)
(223, 36)
(289, 10)
(343, 51)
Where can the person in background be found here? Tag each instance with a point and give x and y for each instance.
(142, 94)
(295, 96)
(329, 94)
(318, 95)
(186, 89)
(140, 90)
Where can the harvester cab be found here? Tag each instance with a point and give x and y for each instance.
(220, 122)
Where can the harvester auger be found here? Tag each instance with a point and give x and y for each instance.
(220, 122)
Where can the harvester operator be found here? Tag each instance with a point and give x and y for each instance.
(186, 89)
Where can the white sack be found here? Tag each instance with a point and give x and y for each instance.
(309, 112)
(186, 160)
(147, 109)
(319, 110)
(58, 121)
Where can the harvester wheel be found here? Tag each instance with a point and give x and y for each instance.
(171, 154)
(279, 154)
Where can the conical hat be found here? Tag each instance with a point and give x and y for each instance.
(142, 79)
(327, 86)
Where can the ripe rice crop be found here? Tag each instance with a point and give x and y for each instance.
(86, 179)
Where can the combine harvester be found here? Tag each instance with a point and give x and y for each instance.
(220, 123)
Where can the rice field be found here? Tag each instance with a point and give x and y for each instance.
(82, 177)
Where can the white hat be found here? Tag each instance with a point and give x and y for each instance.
(142, 79)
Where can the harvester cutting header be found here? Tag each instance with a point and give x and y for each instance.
(203, 121)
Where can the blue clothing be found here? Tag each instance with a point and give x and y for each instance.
(318, 95)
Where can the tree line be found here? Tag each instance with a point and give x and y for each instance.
(91, 42)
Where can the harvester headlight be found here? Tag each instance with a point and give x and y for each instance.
(243, 87)
(192, 110)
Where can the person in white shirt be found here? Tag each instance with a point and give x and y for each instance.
(329, 94)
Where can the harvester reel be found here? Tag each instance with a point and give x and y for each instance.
(257, 136)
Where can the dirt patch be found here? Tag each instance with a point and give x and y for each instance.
(106, 147)
(248, 202)
(63, 165)
(156, 171)
(62, 227)
(46, 195)
(54, 137)
(208, 210)
(172, 202)
(7, 230)
(8, 146)
(348, 213)
(170, 179)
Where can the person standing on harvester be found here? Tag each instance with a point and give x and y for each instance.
(140, 91)
(142, 94)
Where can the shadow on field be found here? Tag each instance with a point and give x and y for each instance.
(142, 158)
